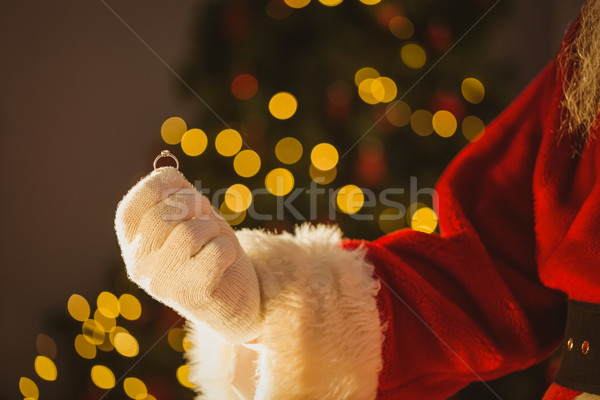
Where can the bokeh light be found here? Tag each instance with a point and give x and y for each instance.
(350, 199)
(472, 90)
(424, 220)
(175, 339)
(126, 344)
(244, 86)
(228, 142)
(108, 304)
(413, 55)
(45, 345)
(370, 2)
(130, 307)
(297, 3)
(194, 142)
(283, 105)
(279, 181)
(366, 88)
(106, 344)
(102, 377)
(365, 73)
(324, 156)
(391, 219)
(288, 150)
(107, 323)
(444, 123)
(45, 368)
(78, 307)
(84, 347)
(421, 122)
(238, 198)
(114, 331)
(472, 127)
(389, 91)
(28, 388)
(93, 331)
(246, 163)
(330, 3)
(398, 113)
(322, 177)
(182, 374)
(401, 27)
(135, 388)
(172, 130)
(231, 217)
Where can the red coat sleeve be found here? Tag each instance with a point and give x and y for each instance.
(468, 304)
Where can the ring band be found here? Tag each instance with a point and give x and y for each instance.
(166, 153)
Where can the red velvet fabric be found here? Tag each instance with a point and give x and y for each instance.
(519, 221)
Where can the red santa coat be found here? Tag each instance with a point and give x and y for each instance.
(519, 221)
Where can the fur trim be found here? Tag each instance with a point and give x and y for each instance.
(321, 336)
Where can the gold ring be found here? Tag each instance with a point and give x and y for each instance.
(166, 153)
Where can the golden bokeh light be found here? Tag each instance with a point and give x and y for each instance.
(279, 181)
(330, 3)
(105, 322)
(114, 331)
(424, 220)
(365, 90)
(182, 374)
(350, 199)
(228, 142)
(244, 86)
(45, 345)
(84, 347)
(126, 344)
(370, 2)
(421, 122)
(78, 307)
(102, 377)
(175, 339)
(187, 344)
(391, 219)
(231, 217)
(322, 177)
(413, 55)
(45, 368)
(324, 156)
(472, 127)
(297, 3)
(28, 388)
(472, 90)
(288, 150)
(398, 113)
(130, 307)
(238, 198)
(172, 130)
(135, 388)
(389, 91)
(93, 331)
(108, 304)
(401, 27)
(283, 105)
(246, 163)
(365, 73)
(106, 344)
(444, 123)
(194, 142)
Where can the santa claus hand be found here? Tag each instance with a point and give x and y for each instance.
(178, 250)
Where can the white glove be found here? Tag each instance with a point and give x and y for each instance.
(178, 250)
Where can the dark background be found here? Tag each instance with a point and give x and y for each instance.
(82, 100)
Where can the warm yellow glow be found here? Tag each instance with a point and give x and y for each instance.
(45, 368)
(102, 377)
(398, 113)
(182, 376)
(78, 307)
(130, 307)
(238, 198)
(105, 322)
(421, 122)
(135, 388)
(472, 127)
(106, 344)
(228, 142)
(288, 150)
(424, 220)
(231, 217)
(401, 27)
(283, 105)
(108, 304)
(322, 177)
(187, 344)
(444, 123)
(45, 345)
(472, 90)
(246, 163)
(330, 3)
(297, 3)
(172, 130)
(279, 181)
(126, 344)
(114, 331)
(365, 73)
(413, 55)
(84, 347)
(324, 156)
(370, 2)
(93, 331)
(365, 90)
(194, 142)
(175, 339)
(391, 219)
(28, 388)
(388, 92)
(350, 199)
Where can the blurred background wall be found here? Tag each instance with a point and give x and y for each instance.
(82, 101)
